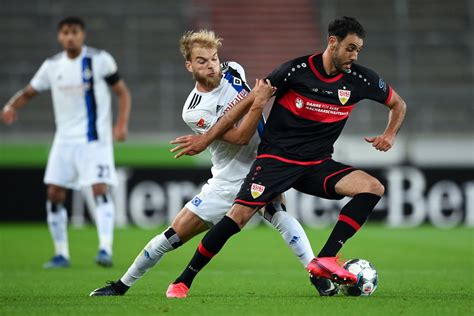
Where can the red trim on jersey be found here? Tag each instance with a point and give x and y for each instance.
(390, 92)
(205, 252)
(332, 175)
(349, 221)
(295, 162)
(250, 203)
(320, 76)
(314, 110)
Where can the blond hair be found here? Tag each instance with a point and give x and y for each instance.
(203, 38)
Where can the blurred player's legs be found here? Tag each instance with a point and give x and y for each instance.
(105, 216)
(56, 215)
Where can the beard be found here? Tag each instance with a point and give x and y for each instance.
(210, 83)
(338, 64)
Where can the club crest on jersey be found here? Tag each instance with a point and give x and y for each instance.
(237, 82)
(256, 190)
(299, 103)
(87, 74)
(343, 95)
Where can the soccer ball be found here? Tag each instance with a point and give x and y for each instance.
(367, 278)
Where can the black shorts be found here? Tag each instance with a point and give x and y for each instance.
(270, 177)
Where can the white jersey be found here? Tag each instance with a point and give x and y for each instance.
(230, 163)
(81, 97)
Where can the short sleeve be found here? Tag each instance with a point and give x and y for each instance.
(378, 90)
(279, 76)
(40, 81)
(108, 65)
(240, 70)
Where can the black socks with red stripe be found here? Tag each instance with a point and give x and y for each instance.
(353, 215)
(209, 246)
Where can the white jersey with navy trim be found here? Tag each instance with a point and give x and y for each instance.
(81, 96)
(230, 163)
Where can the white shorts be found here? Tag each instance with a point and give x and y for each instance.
(77, 165)
(210, 204)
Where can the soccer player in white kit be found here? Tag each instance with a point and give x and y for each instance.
(218, 88)
(82, 150)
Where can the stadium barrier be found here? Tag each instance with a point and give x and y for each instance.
(149, 197)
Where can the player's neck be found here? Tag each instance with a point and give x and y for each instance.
(328, 66)
(73, 53)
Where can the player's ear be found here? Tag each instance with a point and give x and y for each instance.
(332, 42)
(188, 66)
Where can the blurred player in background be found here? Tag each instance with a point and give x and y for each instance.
(314, 98)
(82, 151)
(218, 88)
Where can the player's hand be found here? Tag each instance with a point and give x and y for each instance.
(263, 91)
(189, 145)
(382, 142)
(9, 115)
(120, 133)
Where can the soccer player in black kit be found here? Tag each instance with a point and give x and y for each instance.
(314, 97)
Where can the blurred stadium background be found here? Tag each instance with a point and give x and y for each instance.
(423, 48)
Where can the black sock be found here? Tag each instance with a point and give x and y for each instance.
(120, 287)
(210, 245)
(353, 215)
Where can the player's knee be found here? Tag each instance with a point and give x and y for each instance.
(56, 194)
(375, 187)
(241, 214)
(99, 189)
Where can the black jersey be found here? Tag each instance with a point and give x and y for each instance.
(311, 108)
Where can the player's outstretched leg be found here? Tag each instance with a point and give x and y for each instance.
(209, 246)
(148, 257)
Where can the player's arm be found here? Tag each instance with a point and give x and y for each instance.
(120, 130)
(17, 101)
(395, 119)
(194, 144)
(242, 133)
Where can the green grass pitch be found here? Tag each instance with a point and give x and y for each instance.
(423, 271)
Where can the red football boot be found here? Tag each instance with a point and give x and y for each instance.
(329, 268)
(178, 290)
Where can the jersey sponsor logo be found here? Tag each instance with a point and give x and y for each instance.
(315, 110)
(299, 103)
(343, 95)
(196, 201)
(242, 94)
(256, 190)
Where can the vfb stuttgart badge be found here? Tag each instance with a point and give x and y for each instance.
(256, 190)
(343, 95)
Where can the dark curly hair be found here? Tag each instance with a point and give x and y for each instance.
(345, 25)
(72, 20)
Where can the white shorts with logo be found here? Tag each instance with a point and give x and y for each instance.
(78, 165)
(210, 204)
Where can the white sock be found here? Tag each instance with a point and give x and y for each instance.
(105, 216)
(56, 216)
(293, 234)
(148, 258)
